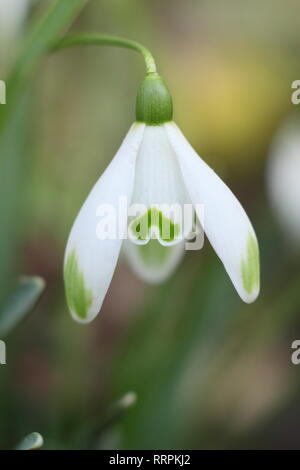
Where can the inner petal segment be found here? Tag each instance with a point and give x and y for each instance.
(159, 193)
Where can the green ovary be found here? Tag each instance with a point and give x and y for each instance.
(250, 266)
(168, 230)
(79, 298)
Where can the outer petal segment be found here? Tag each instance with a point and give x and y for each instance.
(90, 261)
(226, 224)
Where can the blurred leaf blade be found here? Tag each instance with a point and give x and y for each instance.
(90, 433)
(59, 14)
(14, 151)
(20, 302)
(31, 442)
(56, 18)
(117, 409)
(15, 130)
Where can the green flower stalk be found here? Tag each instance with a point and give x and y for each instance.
(154, 169)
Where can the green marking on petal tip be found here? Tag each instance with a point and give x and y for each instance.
(250, 266)
(79, 298)
(168, 230)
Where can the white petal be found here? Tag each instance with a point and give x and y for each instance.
(89, 261)
(225, 221)
(159, 188)
(153, 262)
(283, 172)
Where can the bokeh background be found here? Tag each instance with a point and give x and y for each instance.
(208, 371)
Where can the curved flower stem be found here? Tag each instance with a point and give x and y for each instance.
(107, 40)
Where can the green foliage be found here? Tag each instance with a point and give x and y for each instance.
(43, 33)
(15, 129)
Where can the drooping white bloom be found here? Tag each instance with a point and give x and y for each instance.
(156, 168)
(283, 178)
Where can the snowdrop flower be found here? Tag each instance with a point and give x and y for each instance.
(283, 178)
(155, 167)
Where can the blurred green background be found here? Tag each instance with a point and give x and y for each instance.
(208, 370)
